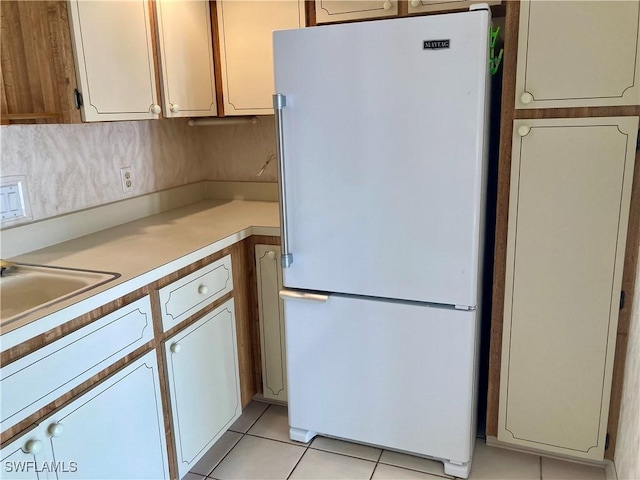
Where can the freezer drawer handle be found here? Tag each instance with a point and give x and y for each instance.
(293, 295)
(279, 102)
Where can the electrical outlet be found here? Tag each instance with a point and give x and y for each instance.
(127, 179)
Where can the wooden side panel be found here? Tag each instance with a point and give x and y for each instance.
(502, 211)
(38, 76)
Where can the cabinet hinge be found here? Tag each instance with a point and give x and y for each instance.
(606, 442)
(78, 98)
(622, 299)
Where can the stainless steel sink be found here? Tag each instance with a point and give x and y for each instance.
(32, 287)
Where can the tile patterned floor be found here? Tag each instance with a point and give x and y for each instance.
(257, 446)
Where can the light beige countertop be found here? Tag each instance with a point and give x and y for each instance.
(141, 251)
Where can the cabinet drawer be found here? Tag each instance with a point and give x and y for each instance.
(186, 296)
(32, 382)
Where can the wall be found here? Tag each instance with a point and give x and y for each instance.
(238, 152)
(73, 167)
(627, 458)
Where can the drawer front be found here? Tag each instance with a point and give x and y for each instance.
(32, 382)
(186, 296)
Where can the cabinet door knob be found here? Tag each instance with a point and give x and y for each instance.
(523, 130)
(415, 3)
(33, 446)
(55, 429)
(271, 254)
(175, 348)
(155, 109)
(526, 98)
(203, 289)
(175, 108)
(387, 5)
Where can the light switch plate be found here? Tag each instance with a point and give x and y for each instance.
(14, 200)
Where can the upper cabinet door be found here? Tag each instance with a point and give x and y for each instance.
(423, 6)
(328, 11)
(114, 59)
(246, 51)
(186, 58)
(578, 54)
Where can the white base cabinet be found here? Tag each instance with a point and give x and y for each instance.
(568, 213)
(271, 315)
(115, 430)
(204, 383)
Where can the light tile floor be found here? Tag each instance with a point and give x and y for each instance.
(257, 447)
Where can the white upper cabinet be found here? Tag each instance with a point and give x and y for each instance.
(578, 54)
(246, 51)
(186, 58)
(114, 59)
(328, 11)
(420, 6)
(568, 214)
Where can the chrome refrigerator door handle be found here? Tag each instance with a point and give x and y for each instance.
(279, 102)
(293, 295)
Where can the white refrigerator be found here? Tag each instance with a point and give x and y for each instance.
(382, 146)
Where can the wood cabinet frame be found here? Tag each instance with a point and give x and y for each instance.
(508, 114)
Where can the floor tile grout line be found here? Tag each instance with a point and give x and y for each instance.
(225, 455)
(297, 463)
(343, 454)
(242, 434)
(419, 471)
(296, 444)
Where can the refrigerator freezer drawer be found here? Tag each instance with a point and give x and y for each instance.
(398, 375)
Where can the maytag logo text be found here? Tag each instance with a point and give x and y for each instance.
(436, 44)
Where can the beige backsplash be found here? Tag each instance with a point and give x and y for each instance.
(73, 167)
(238, 152)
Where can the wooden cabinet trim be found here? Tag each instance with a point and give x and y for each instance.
(508, 114)
(38, 78)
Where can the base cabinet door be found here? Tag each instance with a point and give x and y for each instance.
(568, 214)
(271, 315)
(204, 386)
(28, 457)
(115, 430)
